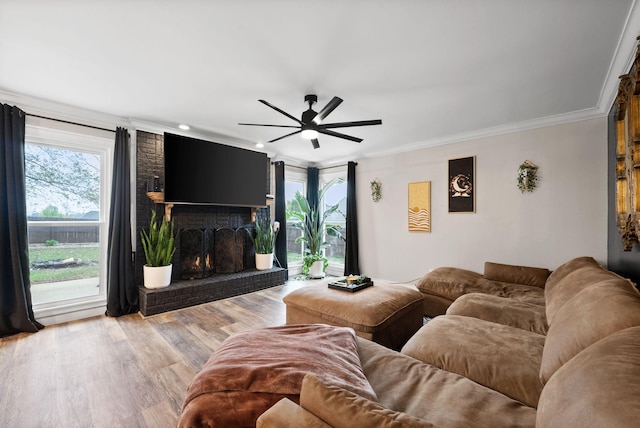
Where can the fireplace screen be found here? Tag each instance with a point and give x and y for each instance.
(204, 252)
(196, 253)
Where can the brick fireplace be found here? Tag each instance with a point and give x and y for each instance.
(214, 257)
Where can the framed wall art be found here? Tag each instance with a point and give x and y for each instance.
(420, 206)
(462, 185)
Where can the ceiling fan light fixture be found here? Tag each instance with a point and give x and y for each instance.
(309, 134)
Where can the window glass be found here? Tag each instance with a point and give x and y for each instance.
(294, 250)
(336, 194)
(63, 194)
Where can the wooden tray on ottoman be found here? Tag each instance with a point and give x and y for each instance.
(342, 284)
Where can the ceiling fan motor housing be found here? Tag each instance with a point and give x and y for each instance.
(311, 99)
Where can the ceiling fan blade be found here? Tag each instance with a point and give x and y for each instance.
(285, 136)
(339, 135)
(262, 124)
(315, 143)
(281, 111)
(331, 106)
(349, 124)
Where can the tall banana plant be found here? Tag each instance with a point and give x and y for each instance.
(313, 224)
(159, 243)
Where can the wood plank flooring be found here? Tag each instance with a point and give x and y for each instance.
(122, 372)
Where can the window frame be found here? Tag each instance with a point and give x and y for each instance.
(49, 133)
(324, 177)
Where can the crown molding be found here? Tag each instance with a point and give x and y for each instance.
(509, 128)
(622, 59)
(159, 128)
(60, 111)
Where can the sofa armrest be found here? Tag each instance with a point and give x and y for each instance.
(287, 414)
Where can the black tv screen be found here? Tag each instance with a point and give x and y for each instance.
(203, 172)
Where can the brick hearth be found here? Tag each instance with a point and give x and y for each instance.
(182, 294)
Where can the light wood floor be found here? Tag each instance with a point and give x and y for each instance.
(122, 372)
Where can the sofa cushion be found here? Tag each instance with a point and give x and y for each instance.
(598, 388)
(343, 409)
(287, 414)
(594, 313)
(448, 282)
(520, 292)
(501, 310)
(516, 274)
(440, 397)
(499, 357)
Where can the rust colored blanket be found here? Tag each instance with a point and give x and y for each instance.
(253, 370)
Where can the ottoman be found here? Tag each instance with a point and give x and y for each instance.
(387, 314)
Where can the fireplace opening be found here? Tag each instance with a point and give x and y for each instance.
(204, 252)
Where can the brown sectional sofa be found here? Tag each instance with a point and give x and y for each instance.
(461, 370)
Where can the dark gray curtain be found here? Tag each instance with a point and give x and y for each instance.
(312, 187)
(281, 215)
(351, 262)
(122, 293)
(16, 312)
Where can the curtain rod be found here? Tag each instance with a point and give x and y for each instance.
(330, 167)
(305, 168)
(70, 123)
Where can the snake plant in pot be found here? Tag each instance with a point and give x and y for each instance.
(313, 226)
(159, 246)
(264, 242)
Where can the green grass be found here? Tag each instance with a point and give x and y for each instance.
(42, 253)
(84, 252)
(65, 274)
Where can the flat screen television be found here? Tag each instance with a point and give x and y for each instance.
(202, 172)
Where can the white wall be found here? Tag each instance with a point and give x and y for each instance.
(565, 217)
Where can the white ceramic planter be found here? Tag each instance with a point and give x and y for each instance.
(157, 276)
(316, 270)
(264, 261)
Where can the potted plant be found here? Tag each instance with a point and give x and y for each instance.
(159, 246)
(264, 242)
(313, 226)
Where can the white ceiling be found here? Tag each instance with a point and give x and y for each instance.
(434, 71)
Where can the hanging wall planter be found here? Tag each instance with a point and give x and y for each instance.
(376, 190)
(527, 176)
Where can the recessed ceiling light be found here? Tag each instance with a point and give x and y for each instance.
(183, 127)
(259, 145)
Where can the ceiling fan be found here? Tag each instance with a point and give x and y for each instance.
(312, 122)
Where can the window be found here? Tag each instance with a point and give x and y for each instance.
(295, 182)
(68, 176)
(336, 194)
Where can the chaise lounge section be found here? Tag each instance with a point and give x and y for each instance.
(444, 285)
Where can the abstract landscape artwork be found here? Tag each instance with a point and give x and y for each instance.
(420, 206)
